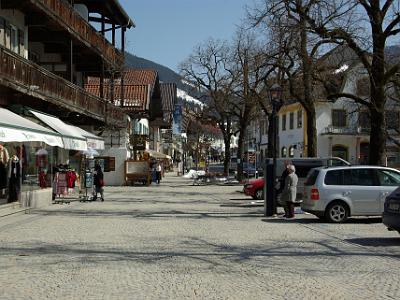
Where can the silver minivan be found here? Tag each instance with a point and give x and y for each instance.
(337, 193)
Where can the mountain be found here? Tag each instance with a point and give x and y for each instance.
(185, 90)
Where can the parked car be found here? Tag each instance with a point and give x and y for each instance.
(255, 188)
(336, 193)
(391, 211)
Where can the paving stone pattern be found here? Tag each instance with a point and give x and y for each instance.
(178, 241)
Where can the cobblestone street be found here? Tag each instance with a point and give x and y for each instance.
(178, 241)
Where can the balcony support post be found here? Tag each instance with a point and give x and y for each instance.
(123, 29)
(71, 61)
(113, 34)
(102, 80)
(103, 25)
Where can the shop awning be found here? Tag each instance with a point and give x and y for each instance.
(71, 135)
(14, 128)
(93, 141)
(157, 155)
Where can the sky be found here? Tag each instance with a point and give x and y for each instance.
(168, 30)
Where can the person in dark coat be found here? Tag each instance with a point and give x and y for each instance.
(14, 175)
(282, 179)
(98, 181)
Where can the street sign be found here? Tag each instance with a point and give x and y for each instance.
(138, 141)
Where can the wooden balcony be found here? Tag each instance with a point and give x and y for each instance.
(64, 14)
(29, 78)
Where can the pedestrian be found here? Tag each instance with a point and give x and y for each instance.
(98, 181)
(289, 191)
(282, 179)
(158, 170)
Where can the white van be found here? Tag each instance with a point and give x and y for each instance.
(336, 193)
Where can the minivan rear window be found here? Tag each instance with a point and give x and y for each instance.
(312, 177)
(334, 177)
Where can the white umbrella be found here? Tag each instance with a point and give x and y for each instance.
(41, 152)
(90, 152)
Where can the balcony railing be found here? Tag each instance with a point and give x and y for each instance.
(29, 78)
(345, 130)
(63, 13)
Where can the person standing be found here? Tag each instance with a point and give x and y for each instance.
(289, 191)
(14, 175)
(158, 170)
(282, 180)
(4, 158)
(98, 181)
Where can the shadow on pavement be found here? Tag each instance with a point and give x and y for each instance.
(375, 241)
(142, 214)
(312, 219)
(296, 220)
(191, 248)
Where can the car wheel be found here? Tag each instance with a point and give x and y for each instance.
(259, 194)
(336, 212)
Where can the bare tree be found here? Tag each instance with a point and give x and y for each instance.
(296, 53)
(208, 67)
(248, 68)
(365, 26)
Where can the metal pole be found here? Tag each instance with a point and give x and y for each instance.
(270, 173)
(274, 206)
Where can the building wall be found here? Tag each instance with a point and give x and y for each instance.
(17, 20)
(117, 145)
(291, 137)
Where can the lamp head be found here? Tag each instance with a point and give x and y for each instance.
(275, 93)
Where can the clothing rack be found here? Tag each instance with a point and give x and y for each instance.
(64, 188)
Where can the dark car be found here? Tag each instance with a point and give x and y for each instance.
(391, 211)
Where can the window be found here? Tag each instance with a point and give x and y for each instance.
(339, 151)
(2, 32)
(392, 119)
(14, 39)
(291, 120)
(283, 152)
(362, 177)
(334, 177)
(283, 122)
(291, 151)
(21, 42)
(388, 178)
(339, 118)
(312, 177)
(300, 118)
(364, 120)
(8, 35)
(262, 127)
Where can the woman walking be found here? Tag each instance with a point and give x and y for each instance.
(289, 191)
(98, 181)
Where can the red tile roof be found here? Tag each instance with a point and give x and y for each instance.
(138, 88)
(168, 96)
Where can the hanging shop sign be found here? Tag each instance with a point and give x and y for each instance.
(138, 141)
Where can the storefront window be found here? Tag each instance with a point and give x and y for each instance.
(29, 167)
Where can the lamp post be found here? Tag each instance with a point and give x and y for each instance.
(275, 95)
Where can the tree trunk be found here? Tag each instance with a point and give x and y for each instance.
(311, 133)
(377, 144)
(308, 100)
(378, 135)
(240, 152)
(227, 157)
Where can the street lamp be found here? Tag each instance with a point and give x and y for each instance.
(270, 207)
